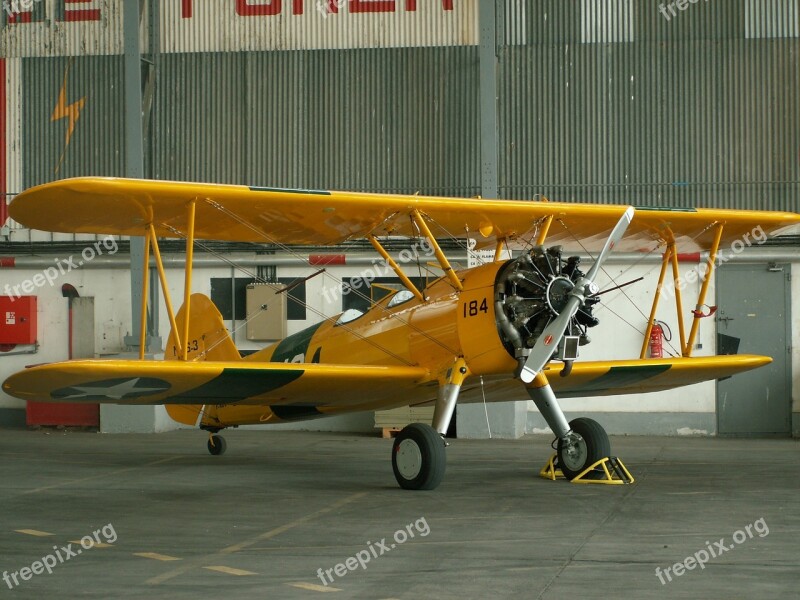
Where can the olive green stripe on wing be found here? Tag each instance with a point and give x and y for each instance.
(616, 378)
(261, 188)
(650, 375)
(210, 382)
(621, 377)
(235, 385)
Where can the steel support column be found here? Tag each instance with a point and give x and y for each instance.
(488, 98)
(134, 152)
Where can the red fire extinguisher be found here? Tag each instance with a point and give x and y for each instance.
(657, 339)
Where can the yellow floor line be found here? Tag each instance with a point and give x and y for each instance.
(314, 587)
(98, 476)
(191, 564)
(230, 570)
(156, 556)
(94, 544)
(35, 532)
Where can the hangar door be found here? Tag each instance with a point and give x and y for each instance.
(754, 313)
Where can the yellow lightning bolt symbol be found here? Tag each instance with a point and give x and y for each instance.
(67, 111)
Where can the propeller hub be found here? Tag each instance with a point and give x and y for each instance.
(558, 291)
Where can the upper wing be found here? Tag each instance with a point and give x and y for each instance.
(176, 382)
(277, 216)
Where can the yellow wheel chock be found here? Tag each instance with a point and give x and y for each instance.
(616, 475)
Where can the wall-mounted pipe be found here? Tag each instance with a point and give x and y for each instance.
(122, 261)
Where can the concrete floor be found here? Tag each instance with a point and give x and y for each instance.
(260, 521)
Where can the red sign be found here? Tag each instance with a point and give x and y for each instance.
(35, 12)
(270, 8)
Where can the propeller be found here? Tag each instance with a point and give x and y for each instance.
(552, 335)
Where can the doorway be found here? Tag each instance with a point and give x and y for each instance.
(754, 319)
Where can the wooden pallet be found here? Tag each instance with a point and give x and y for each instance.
(390, 432)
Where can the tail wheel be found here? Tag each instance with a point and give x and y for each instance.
(587, 443)
(217, 445)
(418, 457)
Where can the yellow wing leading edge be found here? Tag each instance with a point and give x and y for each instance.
(316, 217)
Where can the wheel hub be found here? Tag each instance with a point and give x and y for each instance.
(408, 459)
(574, 452)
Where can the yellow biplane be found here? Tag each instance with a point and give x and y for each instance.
(500, 328)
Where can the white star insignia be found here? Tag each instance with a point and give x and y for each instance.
(115, 392)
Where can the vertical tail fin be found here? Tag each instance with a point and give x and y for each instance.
(208, 340)
(208, 337)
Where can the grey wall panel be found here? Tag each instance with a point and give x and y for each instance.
(82, 94)
(680, 122)
(390, 120)
(599, 100)
(199, 127)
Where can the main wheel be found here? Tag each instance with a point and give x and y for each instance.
(418, 457)
(217, 445)
(589, 443)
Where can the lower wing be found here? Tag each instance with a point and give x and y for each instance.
(634, 376)
(317, 389)
(197, 383)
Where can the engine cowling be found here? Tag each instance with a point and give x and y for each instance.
(530, 291)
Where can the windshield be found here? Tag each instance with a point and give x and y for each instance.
(349, 315)
(399, 298)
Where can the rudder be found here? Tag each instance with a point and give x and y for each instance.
(208, 337)
(208, 340)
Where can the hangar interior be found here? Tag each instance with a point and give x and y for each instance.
(661, 105)
(572, 101)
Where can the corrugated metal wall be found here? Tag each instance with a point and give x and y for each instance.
(598, 100)
(72, 115)
(622, 101)
(392, 120)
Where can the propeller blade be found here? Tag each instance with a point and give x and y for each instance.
(552, 335)
(548, 341)
(613, 239)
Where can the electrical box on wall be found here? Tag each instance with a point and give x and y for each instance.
(266, 312)
(18, 320)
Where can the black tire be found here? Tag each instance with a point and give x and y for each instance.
(217, 445)
(418, 457)
(593, 446)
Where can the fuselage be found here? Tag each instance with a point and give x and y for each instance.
(431, 333)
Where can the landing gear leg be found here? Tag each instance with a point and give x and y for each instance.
(217, 444)
(418, 454)
(581, 442)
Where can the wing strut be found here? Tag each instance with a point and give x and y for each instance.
(396, 268)
(187, 289)
(671, 257)
(443, 262)
(151, 242)
(701, 298)
(652, 320)
(145, 292)
(498, 249)
(164, 288)
(678, 298)
(544, 230)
